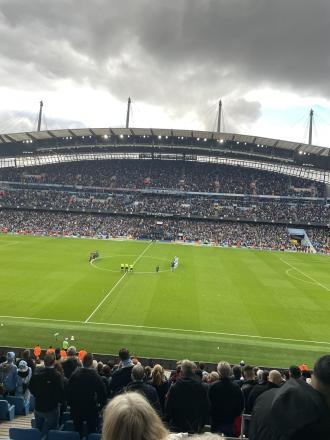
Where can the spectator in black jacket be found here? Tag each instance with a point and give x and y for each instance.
(274, 381)
(87, 395)
(141, 387)
(226, 400)
(296, 410)
(71, 363)
(249, 382)
(122, 376)
(48, 389)
(187, 406)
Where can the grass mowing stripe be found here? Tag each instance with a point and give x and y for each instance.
(117, 283)
(307, 276)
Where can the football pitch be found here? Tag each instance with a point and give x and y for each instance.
(267, 308)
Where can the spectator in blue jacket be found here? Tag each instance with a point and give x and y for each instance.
(8, 374)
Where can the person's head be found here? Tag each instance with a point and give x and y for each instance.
(23, 366)
(275, 377)
(100, 368)
(213, 377)
(237, 372)
(321, 376)
(124, 354)
(260, 376)
(10, 357)
(187, 368)
(248, 373)
(294, 372)
(106, 370)
(137, 374)
(49, 360)
(88, 360)
(131, 417)
(147, 371)
(201, 366)
(26, 355)
(71, 351)
(224, 370)
(157, 375)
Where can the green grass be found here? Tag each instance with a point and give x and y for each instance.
(268, 308)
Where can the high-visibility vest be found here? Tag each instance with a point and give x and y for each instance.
(63, 354)
(82, 354)
(37, 351)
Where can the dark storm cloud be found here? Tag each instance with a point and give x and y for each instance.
(177, 53)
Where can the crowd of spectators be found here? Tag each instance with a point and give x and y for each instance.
(162, 174)
(98, 226)
(200, 206)
(226, 234)
(139, 402)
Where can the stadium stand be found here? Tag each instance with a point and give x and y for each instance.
(193, 403)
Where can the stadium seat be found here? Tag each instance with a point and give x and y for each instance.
(63, 435)
(6, 413)
(33, 423)
(21, 406)
(94, 436)
(66, 415)
(24, 434)
(68, 425)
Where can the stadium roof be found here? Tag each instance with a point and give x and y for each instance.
(221, 137)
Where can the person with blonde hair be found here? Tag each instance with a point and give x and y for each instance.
(130, 416)
(158, 380)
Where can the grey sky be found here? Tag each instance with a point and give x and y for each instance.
(177, 55)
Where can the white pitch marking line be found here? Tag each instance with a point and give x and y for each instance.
(167, 329)
(307, 276)
(117, 283)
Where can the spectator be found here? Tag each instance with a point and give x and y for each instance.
(274, 381)
(24, 375)
(187, 405)
(213, 377)
(140, 386)
(131, 417)
(71, 363)
(28, 359)
(249, 382)
(160, 383)
(237, 375)
(295, 372)
(122, 376)
(8, 374)
(296, 410)
(87, 395)
(48, 389)
(226, 400)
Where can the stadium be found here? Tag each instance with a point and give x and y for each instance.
(164, 261)
(246, 218)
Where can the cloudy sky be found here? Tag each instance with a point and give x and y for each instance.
(268, 60)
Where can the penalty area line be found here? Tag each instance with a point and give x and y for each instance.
(117, 283)
(305, 275)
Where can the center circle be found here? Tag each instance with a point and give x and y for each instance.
(95, 265)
